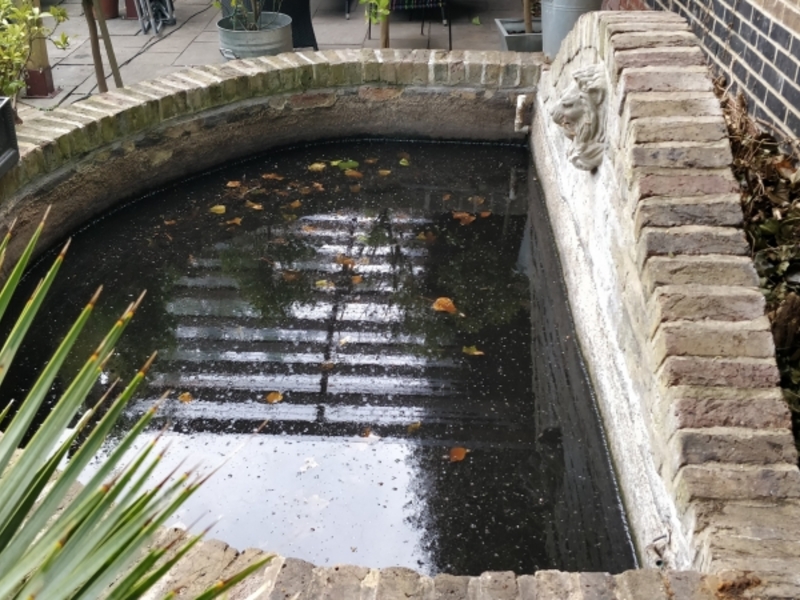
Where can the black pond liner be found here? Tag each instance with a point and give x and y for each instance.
(323, 293)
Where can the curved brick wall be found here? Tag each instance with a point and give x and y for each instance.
(662, 291)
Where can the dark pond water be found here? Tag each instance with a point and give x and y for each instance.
(316, 287)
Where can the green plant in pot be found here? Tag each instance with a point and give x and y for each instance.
(249, 28)
(22, 26)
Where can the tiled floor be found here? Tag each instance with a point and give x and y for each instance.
(193, 40)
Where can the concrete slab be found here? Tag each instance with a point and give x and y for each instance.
(200, 53)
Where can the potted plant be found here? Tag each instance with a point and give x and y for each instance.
(523, 35)
(21, 29)
(247, 30)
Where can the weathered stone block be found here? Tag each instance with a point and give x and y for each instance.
(342, 581)
(736, 482)
(293, 581)
(690, 239)
(311, 100)
(726, 372)
(731, 445)
(398, 583)
(652, 39)
(555, 585)
(455, 67)
(681, 155)
(450, 587)
(438, 73)
(597, 586)
(714, 338)
(473, 65)
(699, 302)
(650, 181)
(709, 269)
(699, 407)
(722, 210)
(500, 585)
(653, 57)
(642, 583)
(527, 587)
(691, 585)
(492, 69)
(681, 129)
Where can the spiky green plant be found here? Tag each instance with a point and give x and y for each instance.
(95, 546)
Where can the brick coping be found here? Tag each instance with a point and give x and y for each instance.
(711, 414)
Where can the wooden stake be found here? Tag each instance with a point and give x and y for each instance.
(112, 58)
(97, 58)
(385, 32)
(526, 8)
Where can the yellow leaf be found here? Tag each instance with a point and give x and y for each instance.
(464, 218)
(253, 205)
(317, 167)
(288, 217)
(404, 162)
(384, 172)
(273, 177)
(356, 279)
(308, 228)
(290, 275)
(234, 184)
(185, 397)
(327, 366)
(170, 222)
(427, 236)
(353, 174)
(295, 204)
(274, 397)
(344, 341)
(235, 221)
(414, 427)
(457, 454)
(217, 209)
(335, 163)
(355, 188)
(370, 161)
(346, 261)
(325, 284)
(445, 305)
(472, 351)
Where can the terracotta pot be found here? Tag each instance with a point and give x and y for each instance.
(130, 9)
(110, 9)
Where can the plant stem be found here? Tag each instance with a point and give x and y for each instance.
(112, 58)
(526, 12)
(95, 45)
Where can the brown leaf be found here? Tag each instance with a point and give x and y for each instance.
(318, 187)
(478, 199)
(305, 190)
(308, 228)
(282, 193)
(355, 188)
(464, 218)
(352, 173)
(234, 184)
(273, 177)
(384, 172)
(414, 427)
(273, 397)
(444, 305)
(457, 454)
(356, 279)
(173, 222)
(295, 204)
(365, 432)
(327, 366)
(446, 197)
(234, 221)
(486, 213)
(185, 397)
(253, 205)
(290, 275)
(370, 161)
(346, 261)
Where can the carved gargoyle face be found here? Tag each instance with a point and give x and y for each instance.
(570, 110)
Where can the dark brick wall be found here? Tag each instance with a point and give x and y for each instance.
(754, 43)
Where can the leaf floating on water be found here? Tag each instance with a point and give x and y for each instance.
(273, 397)
(305, 190)
(185, 397)
(404, 162)
(317, 187)
(308, 228)
(445, 305)
(476, 20)
(414, 427)
(458, 454)
(427, 236)
(235, 221)
(327, 366)
(344, 341)
(472, 351)
(366, 432)
(290, 275)
(234, 184)
(288, 217)
(356, 279)
(253, 205)
(478, 199)
(346, 165)
(295, 204)
(353, 174)
(464, 218)
(317, 167)
(173, 222)
(346, 261)
(446, 197)
(282, 193)
(370, 161)
(355, 188)
(325, 284)
(486, 213)
(217, 209)
(335, 163)
(273, 177)
(384, 172)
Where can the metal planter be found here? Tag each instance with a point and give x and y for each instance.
(274, 37)
(514, 38)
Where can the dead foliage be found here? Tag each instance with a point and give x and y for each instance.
(769, 179)
(737, 587)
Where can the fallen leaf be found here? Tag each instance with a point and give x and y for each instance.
(365, 432)
(476, 21)
(353, 174)
(235, 221)
(445, 305)
(471, 351)
(290, 275)
(464, 218)
(364, 260)
(355, 188)
(282, 193)
(346, 165)
(370, 161)
(405, 155)
(170, 222)
(458, 454)
(274, 397)
(325, 284)
(253, 205)
(414, 427)
(295, 204)
(384, 172)
(327, 366)
(217, 209)
(234, 184)
(446, 197)
(477, 199)
(344, 341)
(427, 236)
(318, 187)
(404, 162)
(273, 177)
(289, 218)
(185, 397)
(308, 228)
(305, 190)
(346, 261)
(356, 279)
(317, 167)
(335, 163)
(486, 213)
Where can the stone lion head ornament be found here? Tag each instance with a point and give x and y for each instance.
(580, 113)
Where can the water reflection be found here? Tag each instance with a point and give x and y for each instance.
(318, 285)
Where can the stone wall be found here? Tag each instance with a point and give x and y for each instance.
(665, 301)
(755, 44)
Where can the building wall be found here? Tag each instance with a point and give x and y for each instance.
(755, 44)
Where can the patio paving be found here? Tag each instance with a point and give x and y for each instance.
(193, 40)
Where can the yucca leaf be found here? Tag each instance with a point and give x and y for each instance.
(11, 283)
(223, 586)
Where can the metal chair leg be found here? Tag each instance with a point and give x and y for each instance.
(347, 9)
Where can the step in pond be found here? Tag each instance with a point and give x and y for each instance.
(391, 316)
